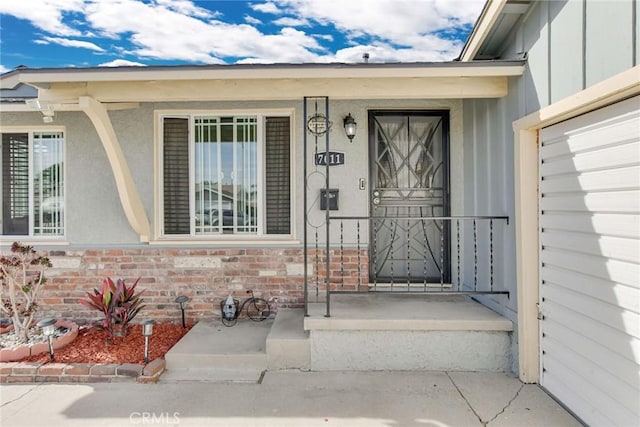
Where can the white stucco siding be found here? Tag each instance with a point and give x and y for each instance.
(94, 212)
(353, 201)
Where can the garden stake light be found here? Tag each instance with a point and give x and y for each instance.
(147, 330)
(182, 299)
(48, 327)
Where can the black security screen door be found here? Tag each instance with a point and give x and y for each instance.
(410, 179)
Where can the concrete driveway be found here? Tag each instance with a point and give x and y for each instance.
(291, 398)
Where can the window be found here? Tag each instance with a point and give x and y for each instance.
(218, 169)
(32, 184)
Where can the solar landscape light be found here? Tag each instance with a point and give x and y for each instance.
(147, 331)
(182, 300)
(48, 327)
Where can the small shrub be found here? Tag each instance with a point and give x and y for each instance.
(21, 280)
(119, 304)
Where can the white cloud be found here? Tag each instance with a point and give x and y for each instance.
(44, 14)
(434, 51)
(268, 7)
(251, 20)
(291, 22)
(290, 46)
(70, 43)
(4, 69)
(121, 63)
(186, 7)
(400, 22)
(387, 18)
(327, 37)
(158, 32)
(390, 30)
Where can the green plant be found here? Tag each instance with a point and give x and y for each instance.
(119, 304)
(21, 280)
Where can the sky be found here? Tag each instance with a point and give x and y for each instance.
(90, 33)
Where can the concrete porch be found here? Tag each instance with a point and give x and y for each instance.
(368, 332)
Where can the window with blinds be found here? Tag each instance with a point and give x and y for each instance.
(175, 167)
(211, 181)
(277, 175)
(32, 184)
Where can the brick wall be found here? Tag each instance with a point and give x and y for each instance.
(206, 276)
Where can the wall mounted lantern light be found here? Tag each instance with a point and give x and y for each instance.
(350, 127)
(147, 330)
(48, 327)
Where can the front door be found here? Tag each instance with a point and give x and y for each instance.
(408, 152)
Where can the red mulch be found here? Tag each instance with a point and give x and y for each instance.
(92, 346)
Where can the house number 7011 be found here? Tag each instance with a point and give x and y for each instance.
(333, 158)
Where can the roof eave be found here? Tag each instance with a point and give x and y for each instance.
(481, 29)
(43, 77)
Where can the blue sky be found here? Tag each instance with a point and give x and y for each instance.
(88, 33)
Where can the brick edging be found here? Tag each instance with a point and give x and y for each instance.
(33, 372)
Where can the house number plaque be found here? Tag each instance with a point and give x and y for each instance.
(333, 158)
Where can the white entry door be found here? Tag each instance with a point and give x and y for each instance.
(590, 264)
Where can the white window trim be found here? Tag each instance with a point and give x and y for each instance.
(31, 239)
(238, 239)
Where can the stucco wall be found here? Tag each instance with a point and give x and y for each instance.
(94, 213)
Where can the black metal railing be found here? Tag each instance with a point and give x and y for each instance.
(422, 254)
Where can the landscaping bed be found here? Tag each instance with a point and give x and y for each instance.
(93, 357)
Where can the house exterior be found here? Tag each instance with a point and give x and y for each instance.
(510, 174)
(572, 119)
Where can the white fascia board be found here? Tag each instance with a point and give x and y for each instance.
(23, 107)
(614, 89)
(485, 23)
(10, 80)
(41, 78)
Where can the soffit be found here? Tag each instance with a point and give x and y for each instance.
(492, 29)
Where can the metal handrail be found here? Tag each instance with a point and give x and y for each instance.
(434, 218)
(451, 219)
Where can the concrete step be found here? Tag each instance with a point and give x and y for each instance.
(288, 342)
(406, 332)
(364, 332)
(213, 375)
(212, 351)
(240, 353)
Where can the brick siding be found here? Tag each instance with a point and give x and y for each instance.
(205, 275)
(30, 372)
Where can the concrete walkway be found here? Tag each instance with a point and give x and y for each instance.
(291, 398)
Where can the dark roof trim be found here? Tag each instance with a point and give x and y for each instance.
(282, 66)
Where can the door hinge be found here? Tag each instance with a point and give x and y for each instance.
(540, 316)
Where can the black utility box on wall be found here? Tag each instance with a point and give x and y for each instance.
(333, 199)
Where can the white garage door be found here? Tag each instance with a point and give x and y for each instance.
(590, 264)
